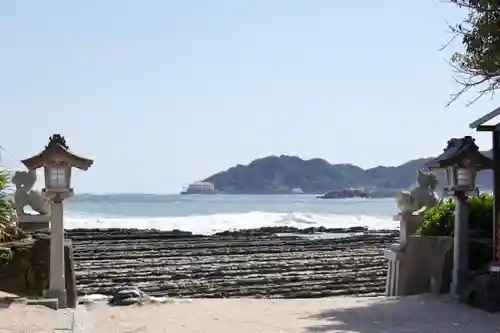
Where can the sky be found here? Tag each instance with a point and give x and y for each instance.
(162, 93)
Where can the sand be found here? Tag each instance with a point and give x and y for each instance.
(422, 314)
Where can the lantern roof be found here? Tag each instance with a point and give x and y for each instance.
(57, 150)
(458, 151)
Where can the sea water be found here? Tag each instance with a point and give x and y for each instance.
(212, 213)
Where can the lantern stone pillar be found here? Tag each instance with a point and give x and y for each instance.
(57, 281)
(495, 267)
(460, 273)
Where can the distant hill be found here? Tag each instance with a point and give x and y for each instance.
(282, 174)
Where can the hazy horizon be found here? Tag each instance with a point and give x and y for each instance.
(163, 93)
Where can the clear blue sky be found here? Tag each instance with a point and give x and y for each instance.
(161, 93)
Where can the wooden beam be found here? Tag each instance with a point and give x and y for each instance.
(496, 195)
(485, 118)
(486, 128)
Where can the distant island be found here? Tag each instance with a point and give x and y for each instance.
(345, 193)
(290, 174)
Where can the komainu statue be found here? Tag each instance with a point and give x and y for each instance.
(421, 197)
(26, 196)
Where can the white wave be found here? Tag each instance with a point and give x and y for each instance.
(207, 224)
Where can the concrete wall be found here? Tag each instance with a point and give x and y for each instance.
(426, 265)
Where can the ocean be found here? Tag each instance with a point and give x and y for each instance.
(207, 214)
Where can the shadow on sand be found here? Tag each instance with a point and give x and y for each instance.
(6, 302)
(413, 314)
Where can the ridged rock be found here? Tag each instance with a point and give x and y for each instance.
(178, 263)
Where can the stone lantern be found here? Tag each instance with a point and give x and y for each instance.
(57, 161)
(461, 160)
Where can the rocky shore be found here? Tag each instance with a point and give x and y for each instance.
(247, 263)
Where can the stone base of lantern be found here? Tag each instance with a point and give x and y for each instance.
(60, 295)
(33, 222)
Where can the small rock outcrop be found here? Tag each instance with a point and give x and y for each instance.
(483, 292)
(127, 295)
(345, 193)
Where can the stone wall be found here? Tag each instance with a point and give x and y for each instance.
(428, 262)
(26, 273)
(423, 265)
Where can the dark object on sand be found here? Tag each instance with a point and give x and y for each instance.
(126, 295)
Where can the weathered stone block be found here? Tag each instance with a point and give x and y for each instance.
(483, 292)
(423, 265)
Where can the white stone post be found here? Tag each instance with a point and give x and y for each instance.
(408, 225)
(57, 288)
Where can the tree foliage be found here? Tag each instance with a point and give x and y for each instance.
(478, 65)
(8, 229)
(5, 206)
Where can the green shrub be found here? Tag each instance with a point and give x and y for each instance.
(6, 255)
(8, 230)
(439, 220)
(5, 204)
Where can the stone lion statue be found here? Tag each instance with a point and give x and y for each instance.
(421, 197)
(26, 196)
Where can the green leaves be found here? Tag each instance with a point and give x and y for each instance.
(439, 220)
(6, 208)
(4, 180)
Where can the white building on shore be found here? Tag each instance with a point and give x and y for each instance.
(200, 188)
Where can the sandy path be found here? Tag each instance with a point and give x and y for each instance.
(423, 314)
